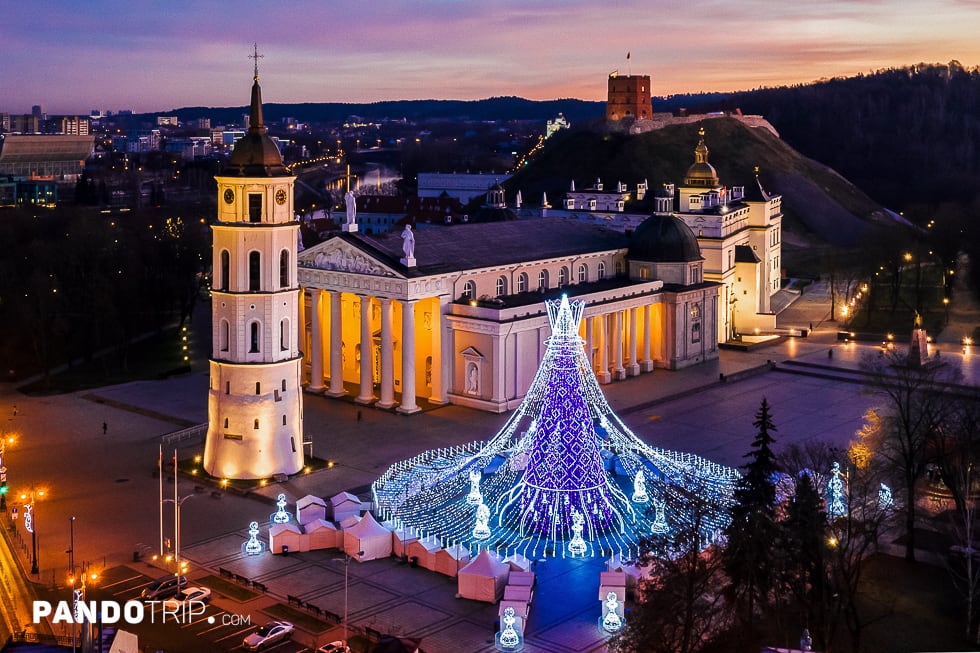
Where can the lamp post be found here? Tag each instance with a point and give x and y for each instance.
(346, 560)
(3, 474)
(30, 523)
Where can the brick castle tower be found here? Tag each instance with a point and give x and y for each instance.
(629, 97)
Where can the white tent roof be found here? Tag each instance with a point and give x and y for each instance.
(367, 527)
(310, 500)
(485, 564)
(276, 529)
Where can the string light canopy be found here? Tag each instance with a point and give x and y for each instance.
(564, 477)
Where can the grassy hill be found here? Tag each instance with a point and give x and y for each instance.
(820, 206)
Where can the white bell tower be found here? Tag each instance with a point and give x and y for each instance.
(255, 404)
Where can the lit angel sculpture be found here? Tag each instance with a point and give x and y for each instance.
(612, 622)
(482, 529)
(640, 488)
(475, 497)
(577, 545)
(281, 516)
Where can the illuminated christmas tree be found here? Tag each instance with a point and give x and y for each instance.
(555, 477)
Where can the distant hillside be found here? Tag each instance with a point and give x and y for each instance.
(905, 136)
(496, 108)
(818, 203)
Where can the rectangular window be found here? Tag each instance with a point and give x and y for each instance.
(255, 207)
(233, 436)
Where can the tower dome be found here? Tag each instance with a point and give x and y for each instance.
(701, 173)
(256, 154)
(664, 239)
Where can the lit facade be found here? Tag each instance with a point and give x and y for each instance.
(466, 324)
(255, 405)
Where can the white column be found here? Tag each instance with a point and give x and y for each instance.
(647, 364)
(588, 342)
(497, 361)
(603, 373)
(316, 341)
(387, 356)
(366, 395)
(438, 395)
(634, 366)
(408, 404)
(336, 346)
(619, 372)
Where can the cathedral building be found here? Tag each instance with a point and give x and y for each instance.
(255, 403)
(455, 314)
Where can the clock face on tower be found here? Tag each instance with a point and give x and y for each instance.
(229, 196)
(281, 196)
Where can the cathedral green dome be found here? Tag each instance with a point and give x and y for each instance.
(664, 239)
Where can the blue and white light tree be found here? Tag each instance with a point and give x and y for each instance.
(559, 472)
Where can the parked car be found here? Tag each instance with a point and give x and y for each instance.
(163, 587)
(269, 634)
(334, 647)
(188, 596)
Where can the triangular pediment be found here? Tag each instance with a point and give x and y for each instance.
(338, 255)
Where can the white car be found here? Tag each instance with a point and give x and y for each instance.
(187, 597)
(334, 647)
(269, 634)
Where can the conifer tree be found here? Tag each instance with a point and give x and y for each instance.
(752, 534)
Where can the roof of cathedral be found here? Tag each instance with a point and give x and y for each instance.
(664, 239)
(701, 173)
(745, 254)
(481, 245)
(256, 154)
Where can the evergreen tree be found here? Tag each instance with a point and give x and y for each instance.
(752, 534)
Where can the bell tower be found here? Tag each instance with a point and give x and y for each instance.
(255, 402)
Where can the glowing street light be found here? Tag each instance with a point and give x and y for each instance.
(30, 523)
(346, 560)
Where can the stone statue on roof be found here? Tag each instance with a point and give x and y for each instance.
(408, 242)
(351, 201)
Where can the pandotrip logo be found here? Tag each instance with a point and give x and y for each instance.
(113, 612)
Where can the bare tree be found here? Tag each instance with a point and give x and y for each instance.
(915, 400)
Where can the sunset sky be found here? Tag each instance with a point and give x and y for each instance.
(109, 54)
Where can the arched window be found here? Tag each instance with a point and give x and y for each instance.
(284, 420)
(284, 385)
(284, 269)
(501, 286)
(256, 425)
(225, 270)
(254, 271)
(226, 422)
(469, 290)
(562, 277)
(223, 332)
(601, 271)
(583, 273)
(543, 280)
(253, 338)
(284, 335)
(258, 387)
(521, 283)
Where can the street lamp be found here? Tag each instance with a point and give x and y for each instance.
(346, 560)
(30, 523)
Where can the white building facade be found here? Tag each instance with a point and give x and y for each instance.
(255, 403)
(467, 324)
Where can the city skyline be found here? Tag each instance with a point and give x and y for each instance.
(161, 57)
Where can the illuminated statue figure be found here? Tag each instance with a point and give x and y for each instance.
(509, 638)
(475, 497)
(836, 504)
(253, 546)
(612, 622)
(640, 488)
(408, 244)
(351, 203)
(659, 525)
(482, 529)
(281, 516)
(577, 545)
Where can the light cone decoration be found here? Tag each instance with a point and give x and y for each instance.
(557, 477)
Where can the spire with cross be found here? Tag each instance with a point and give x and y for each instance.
(256, 56)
